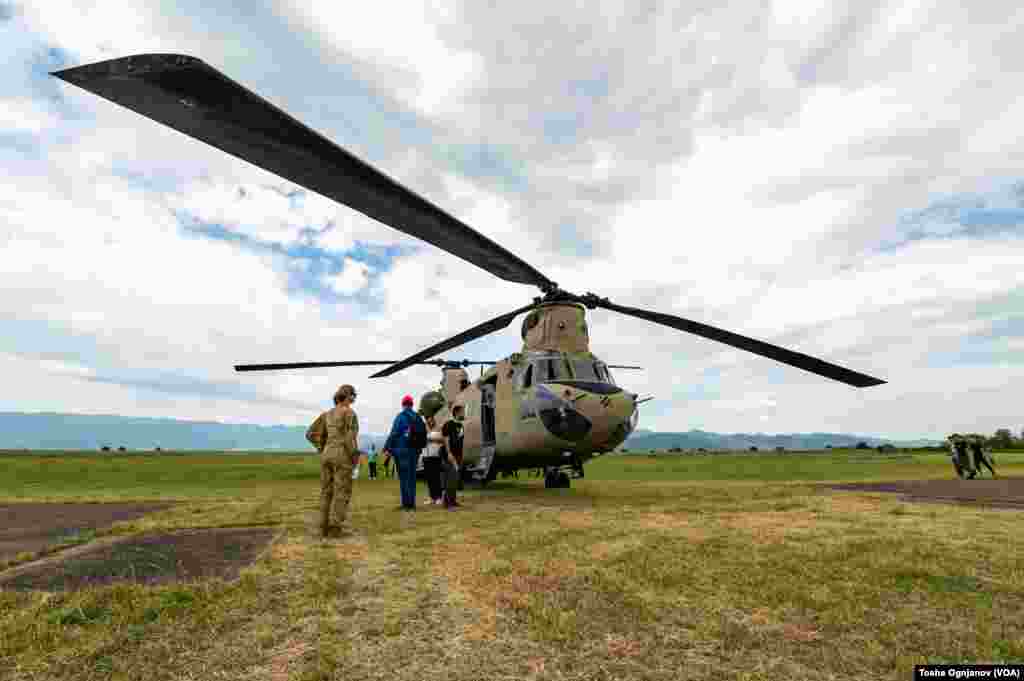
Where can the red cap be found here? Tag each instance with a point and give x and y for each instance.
(407, 400)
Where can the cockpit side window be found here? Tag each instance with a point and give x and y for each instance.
(586, 370)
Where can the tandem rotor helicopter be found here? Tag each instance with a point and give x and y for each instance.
(554, 405)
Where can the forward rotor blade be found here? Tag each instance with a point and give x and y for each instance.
(496, 324)
(192, 97)
(796, 359)
(620, 366)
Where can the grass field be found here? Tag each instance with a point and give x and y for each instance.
(653, 567)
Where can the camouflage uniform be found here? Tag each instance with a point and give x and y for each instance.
(334, 435)
(961, 459)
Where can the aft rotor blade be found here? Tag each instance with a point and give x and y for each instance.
(621, 366)
(307, 365)
(496, 324)
(796, 359)
(324, 365)
(192, 97)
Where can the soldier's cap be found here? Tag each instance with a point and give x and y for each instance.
(407, 400)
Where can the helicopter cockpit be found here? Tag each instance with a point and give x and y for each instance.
(557, 368)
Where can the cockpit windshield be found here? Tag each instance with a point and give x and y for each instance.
(551, 369)
(557, 368)
(585, 370)
(592, 371)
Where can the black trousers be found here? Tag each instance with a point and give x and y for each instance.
(451, 475)
(373, 470)
(982, 460)
(432, 472)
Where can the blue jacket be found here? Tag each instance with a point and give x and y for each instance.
(398, 439)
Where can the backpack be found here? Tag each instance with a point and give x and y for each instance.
(417, 434)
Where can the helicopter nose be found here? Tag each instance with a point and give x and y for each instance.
(560, 416)
(565, 422)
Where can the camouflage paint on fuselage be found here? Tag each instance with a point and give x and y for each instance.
(552, 398)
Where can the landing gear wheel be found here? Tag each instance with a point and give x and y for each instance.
(550, 478)
(553, 479)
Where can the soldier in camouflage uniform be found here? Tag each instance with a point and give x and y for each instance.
(961, 460)
(334, 434)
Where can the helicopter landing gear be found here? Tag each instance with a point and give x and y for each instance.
(554, 478)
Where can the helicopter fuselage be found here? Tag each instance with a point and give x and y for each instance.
(553, 404)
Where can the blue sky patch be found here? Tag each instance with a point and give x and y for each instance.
(308, 265)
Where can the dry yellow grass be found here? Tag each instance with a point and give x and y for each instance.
(677, 524)
(577, 520)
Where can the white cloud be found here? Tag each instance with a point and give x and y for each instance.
(401, 37)
(352, 277)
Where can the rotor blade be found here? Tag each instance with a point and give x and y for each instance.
(496, 324)
(621, 366)
(323, 365)
(306, 365)
(796, 359)
(192, 97)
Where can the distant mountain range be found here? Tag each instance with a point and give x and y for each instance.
(695, 439)
(80, 431)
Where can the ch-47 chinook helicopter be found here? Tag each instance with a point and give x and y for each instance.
(552, 405)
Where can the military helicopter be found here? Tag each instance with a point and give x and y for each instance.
(554, 405)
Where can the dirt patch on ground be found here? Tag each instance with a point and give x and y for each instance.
(149, 559)
(605, 550)
(576, 520)
(997, 493)
(776, 525)
(677, 524)
(33, 527)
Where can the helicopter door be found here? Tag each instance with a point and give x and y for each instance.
(483, 471)
(487, 413)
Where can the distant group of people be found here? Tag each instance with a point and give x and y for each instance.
(335, 432)
(961, 448)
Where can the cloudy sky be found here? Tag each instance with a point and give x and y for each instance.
(845, 179)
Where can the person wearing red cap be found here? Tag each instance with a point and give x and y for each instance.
(407, 438)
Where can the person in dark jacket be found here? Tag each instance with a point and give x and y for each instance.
(977, 447)
(451, 456)
(400, 444)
